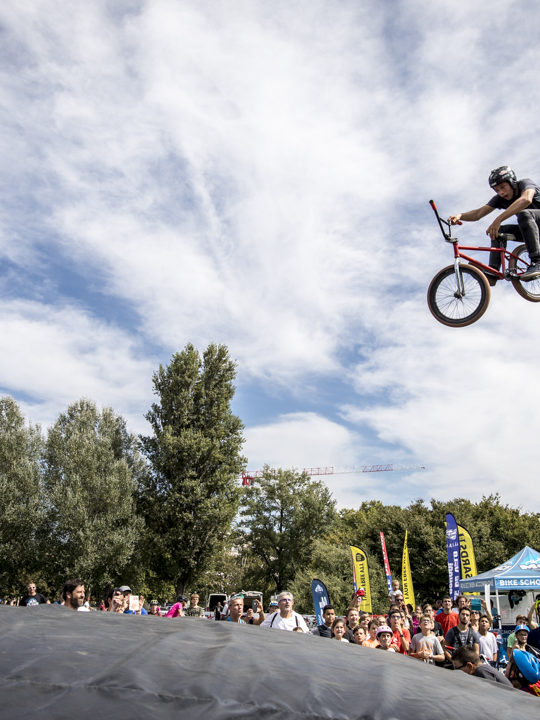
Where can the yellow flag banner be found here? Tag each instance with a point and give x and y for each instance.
(361, 578)
(466, 555)
(406, 577)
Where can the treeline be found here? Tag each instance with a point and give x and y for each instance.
(165, 513)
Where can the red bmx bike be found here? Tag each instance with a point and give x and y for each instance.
(459, 294)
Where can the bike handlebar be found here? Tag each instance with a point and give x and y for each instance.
(447, 235)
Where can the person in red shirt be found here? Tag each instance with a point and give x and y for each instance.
(445, 616)
(401, 637)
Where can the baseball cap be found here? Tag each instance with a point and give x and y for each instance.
(125, 588)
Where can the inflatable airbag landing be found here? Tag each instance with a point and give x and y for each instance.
(56, 664)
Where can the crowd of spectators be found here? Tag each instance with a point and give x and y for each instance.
(452, 635)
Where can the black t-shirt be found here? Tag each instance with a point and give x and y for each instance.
(490, 673)
(522, 185)
(30, 600)
(534, 638)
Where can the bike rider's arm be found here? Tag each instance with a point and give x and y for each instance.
(523, 201)
(471, 215)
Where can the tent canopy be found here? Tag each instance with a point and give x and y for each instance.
(521, 572)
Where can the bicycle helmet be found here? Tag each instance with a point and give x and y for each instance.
(384, 629)
(503, 174)
(528, 665)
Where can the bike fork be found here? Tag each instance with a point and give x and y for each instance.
(460, 291)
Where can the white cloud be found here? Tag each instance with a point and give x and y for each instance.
(258, 174)
(58, 355)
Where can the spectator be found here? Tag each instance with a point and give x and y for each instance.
(177, 610)
(462, 601)
(520, 620)
(285, 618)
(359, 635)
(154, 608)
(236, 610)
(446, 617)
(351, 622)
(524, 671)
(338, 630)
(425, 645)
(137, 609)
(384, 637)
(116, 601)
(437, 627)
(325, 630)
(371, 638)
(73, 595)
(401, 638)
(461, 634)
(365, 619)
(394, 591)
(194, 609)
(488, 642)
(33, 598)
(260, 618)
(415, 618)
(466, 658)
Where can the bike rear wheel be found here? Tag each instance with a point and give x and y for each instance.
(528, 290)
(454, 308)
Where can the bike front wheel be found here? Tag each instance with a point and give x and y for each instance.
(518, 263)
(455, 306)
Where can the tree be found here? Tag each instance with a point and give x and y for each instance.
(190, 499)
(20, 497)
(283, 512)
(91, 467)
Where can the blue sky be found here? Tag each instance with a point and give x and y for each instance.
(258, 174)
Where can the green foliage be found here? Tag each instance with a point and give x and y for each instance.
(92, 529)
(191, 498)
(497, 530)
(282, 513)
(21, 498)
(330, 562)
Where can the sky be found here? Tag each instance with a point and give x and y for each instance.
(257, 174)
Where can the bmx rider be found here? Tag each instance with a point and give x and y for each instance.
(514, 197)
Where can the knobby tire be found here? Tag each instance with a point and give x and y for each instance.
(528, 290)
(458, 311)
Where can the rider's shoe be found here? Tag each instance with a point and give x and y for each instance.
(531, 273)
(491, 278)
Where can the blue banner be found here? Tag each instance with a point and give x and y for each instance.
(320, 598)
(453, 554)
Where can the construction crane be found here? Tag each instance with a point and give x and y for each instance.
(250, 475)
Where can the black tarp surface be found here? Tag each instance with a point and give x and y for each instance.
(56, 663)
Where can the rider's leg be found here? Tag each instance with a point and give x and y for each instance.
(495, 257)
(528, 221)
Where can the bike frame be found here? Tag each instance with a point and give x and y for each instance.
(505, 254)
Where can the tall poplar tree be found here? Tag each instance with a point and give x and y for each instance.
(21, 511)
(191, 498)
(91, 466)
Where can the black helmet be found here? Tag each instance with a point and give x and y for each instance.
(503, 174)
